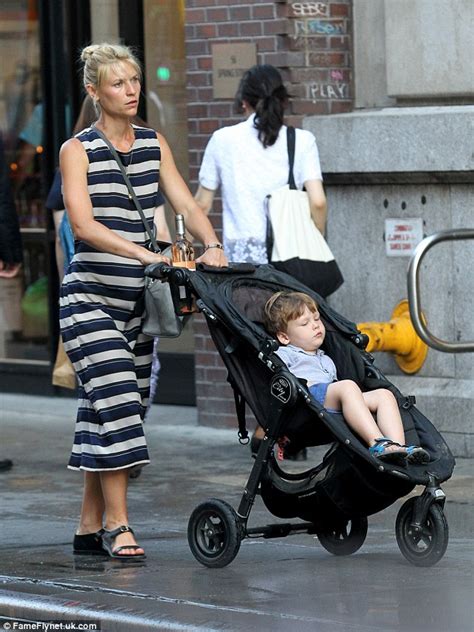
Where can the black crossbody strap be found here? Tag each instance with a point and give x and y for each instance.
(291, 141)
(114, 153)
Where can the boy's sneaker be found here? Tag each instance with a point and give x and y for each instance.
(416, 455)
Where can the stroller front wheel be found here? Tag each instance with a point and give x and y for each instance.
(424, 546)
(214, 533)
(346, 538)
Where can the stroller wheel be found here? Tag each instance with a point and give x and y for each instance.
(346, 538)
(214, 533)
(428, 545)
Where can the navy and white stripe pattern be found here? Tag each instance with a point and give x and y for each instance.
(101, 311)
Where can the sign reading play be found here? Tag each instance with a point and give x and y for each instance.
(229, 62)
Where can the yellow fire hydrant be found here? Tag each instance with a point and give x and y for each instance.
(399, 337)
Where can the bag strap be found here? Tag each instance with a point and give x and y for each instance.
(291, 141)
(133, 197)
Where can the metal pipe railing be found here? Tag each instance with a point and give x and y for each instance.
(413, 282)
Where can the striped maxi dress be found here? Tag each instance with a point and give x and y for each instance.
(101, 311)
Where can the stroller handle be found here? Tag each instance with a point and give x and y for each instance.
(162, 270)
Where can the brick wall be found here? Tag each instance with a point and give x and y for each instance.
(310, 43)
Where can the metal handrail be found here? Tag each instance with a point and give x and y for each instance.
(414, 290)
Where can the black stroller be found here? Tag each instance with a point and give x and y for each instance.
(333, 499)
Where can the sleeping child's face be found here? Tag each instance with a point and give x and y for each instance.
(307, 331)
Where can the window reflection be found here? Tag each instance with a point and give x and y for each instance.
(165, 72)
(165, 75)
(24, 298)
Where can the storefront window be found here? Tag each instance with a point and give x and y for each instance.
(24, 320)
(165, 75)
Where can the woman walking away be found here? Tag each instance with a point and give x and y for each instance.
(101, 306)
(249, 161)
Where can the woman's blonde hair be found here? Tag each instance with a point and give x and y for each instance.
(283, 307)
(99, 59)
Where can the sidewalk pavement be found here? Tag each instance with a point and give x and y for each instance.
(40, 579)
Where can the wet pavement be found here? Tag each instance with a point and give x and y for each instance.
(280, 584)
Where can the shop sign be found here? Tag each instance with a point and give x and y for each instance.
(402, 236)
(229, 62)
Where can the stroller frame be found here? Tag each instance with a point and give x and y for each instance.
(216, 530)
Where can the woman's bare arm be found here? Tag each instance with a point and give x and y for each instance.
(182, 201)
(74, 165)
(162, 228)
(317, 202)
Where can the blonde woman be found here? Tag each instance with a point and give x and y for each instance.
(101, 307)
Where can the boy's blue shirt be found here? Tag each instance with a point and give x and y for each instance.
(316, 368)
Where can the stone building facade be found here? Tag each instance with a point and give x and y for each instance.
(387, 88)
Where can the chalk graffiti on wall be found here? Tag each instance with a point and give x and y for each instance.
(337, 75)
(328, 91)
(321, 59)
(306, 43)
(318, 27)
(301, 9)
(323, 40)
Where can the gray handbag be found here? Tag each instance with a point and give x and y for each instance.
(160, 314)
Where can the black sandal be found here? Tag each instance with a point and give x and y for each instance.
(89, 544)
(108, 540)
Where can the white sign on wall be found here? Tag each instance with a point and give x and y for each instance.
(402, 235)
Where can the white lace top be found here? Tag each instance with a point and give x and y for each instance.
(236, 161)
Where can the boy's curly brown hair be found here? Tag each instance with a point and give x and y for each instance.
(283, 307)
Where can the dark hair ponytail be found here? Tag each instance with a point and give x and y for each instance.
(262, 87)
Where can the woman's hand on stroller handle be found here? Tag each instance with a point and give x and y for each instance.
(159, 270)
(213, 256)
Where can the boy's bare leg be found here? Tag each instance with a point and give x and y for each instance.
(383, 404)
(347, 396)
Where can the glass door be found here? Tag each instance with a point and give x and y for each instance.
(165, 81)
(24, 309)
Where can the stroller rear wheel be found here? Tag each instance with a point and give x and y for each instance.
(346, 538)
(426, 546)
(214, 533)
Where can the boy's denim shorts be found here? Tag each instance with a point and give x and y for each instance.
(318, 391)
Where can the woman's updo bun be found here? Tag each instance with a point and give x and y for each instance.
(88, 52)
(99, 58)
